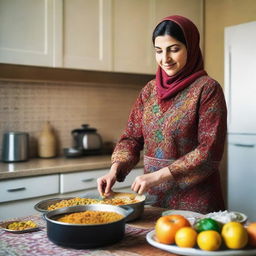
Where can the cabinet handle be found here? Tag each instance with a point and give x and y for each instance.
(16, 189)
(244, 145)
(87, 180)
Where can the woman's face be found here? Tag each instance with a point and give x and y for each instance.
(171, 55)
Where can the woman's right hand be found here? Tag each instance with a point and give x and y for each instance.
(106, 182)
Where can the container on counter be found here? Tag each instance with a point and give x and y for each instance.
(15, 146)
(47, 142)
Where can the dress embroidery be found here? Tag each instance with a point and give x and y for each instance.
(187, 133)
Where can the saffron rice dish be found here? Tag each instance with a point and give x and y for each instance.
(91, 217)
(86, 201)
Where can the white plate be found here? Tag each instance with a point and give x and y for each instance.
(193, 251)
(186, 214)
(226, 216)
(191, 216)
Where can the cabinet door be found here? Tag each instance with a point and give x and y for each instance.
(87, 34)
(133, 24)
(132, 28)
(191, 9)
(27, 34)
(21, 188)
(21, 208)
(75, 181)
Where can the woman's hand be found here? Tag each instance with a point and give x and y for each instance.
(106, 182)
(142, 183)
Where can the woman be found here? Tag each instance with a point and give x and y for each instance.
(179, 119)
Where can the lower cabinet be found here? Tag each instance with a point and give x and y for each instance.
(20, 208)
(87, 180)
(18, 196)
(75, 181)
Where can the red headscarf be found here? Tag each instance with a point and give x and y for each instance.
(168, 86)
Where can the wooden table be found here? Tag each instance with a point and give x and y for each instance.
(36, 243)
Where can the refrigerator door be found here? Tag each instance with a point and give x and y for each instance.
(242, 174)
(240, 77)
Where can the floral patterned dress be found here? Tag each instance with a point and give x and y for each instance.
(187, 134)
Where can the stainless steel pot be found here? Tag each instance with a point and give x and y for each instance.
(138, 207)
(15, 146)
(86, 235)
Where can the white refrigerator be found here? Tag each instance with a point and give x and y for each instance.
(240, 93)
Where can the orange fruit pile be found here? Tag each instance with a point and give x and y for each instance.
(167, 226)
(251, 229)
(176, 229)
(234, 235)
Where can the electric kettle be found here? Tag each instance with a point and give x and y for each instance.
(87, 139)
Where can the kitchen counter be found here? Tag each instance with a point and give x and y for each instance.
(37, 166)
(36, 243)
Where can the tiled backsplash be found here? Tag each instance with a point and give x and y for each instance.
(26, 106)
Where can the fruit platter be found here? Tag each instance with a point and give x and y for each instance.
(216, 234)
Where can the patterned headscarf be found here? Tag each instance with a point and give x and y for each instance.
(168, 86)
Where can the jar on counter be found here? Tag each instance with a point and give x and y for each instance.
(47, 142)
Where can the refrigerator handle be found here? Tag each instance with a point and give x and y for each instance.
(243, 145)
(229, 83)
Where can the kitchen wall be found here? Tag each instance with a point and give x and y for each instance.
(219, 14)
(27, 103)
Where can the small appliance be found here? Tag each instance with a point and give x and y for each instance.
(15, 146)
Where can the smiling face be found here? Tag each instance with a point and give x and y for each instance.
(171, 54)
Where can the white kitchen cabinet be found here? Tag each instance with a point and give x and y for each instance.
(30, 32)
(116, 35)
(20, 208)
(56, 33)
(106, 35)
(87, 34)
(87, 181)
(18, 196)
(192, 9)
(133, 24)
(22, 188)
(75, 181)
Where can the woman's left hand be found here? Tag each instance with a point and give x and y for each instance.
(142, 183)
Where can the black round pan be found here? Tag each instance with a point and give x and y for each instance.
(86, 235)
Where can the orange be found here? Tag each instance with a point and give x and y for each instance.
(209, 240)
(167, 226)
(251, 229)
(234, 235)
(186, 237)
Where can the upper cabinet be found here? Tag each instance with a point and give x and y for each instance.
(106, 35)
(133, 22)
(28, 32)
(87, 34)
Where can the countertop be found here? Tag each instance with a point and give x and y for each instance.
(37, 166)
(133, 244)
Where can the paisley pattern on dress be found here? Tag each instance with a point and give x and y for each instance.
(186, 133)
